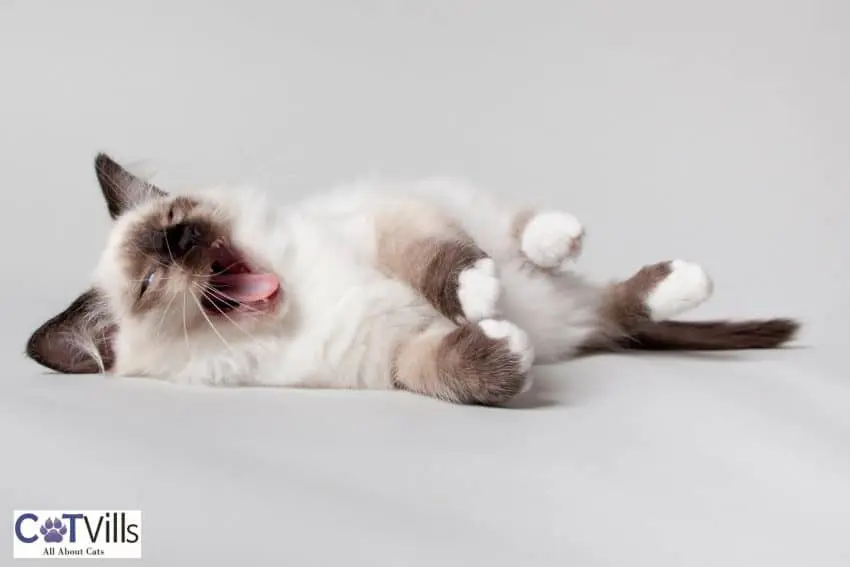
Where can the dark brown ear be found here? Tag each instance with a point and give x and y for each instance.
(78, 340)
(121, 189)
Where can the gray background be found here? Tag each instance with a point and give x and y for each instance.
(713, 131)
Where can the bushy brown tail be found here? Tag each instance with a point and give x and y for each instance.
(711, 335)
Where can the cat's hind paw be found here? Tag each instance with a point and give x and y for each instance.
(516, 339)
(552, 238)
(682, 287)
(482, 363)
(518, 343)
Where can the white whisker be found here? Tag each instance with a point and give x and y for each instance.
(213, 327)
(164, 313)
(221, 295)
(220, 310)
(185, 329)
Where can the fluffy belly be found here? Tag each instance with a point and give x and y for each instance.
(346, 338)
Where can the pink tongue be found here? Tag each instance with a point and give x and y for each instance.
(246, 288)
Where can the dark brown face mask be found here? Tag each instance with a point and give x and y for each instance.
(178, 241)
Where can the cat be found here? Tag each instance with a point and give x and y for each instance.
(433, 287)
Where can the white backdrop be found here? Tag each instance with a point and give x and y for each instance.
(718, 132)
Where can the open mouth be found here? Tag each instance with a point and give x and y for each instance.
(234, 284)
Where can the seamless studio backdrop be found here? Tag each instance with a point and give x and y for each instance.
(717, 132)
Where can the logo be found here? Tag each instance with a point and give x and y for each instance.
(77, 534)
(53, 530)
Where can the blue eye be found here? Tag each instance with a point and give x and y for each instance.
(147, 282)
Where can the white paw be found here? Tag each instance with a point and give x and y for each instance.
(479, 289)
(684, 288)
(517, 339)
(551, 238)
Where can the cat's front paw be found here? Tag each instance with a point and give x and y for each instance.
(551, 239)
(478, 290)
(492, 360)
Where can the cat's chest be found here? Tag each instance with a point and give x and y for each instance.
(345, 317)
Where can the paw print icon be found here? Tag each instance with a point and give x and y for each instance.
(53, 530)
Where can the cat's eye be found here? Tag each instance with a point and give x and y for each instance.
(146, 282)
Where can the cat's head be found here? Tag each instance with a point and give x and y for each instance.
(172, 273)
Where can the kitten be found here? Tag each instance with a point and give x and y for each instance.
(432, 287)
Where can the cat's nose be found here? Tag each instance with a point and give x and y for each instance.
(181, 238)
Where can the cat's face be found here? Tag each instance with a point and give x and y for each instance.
(172, 271)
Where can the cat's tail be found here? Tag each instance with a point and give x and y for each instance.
(711, 335)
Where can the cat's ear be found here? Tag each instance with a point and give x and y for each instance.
(121, 189)
(79, 340)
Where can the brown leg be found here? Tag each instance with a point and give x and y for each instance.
(654, 293)
(419, 245)
(625, 306)
(481, 363)
(637, 312)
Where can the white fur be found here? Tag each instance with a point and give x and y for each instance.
(557, 310)
(479, 289)
(518, 343)
(552, 238)
(684, 288)
(343, 319)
